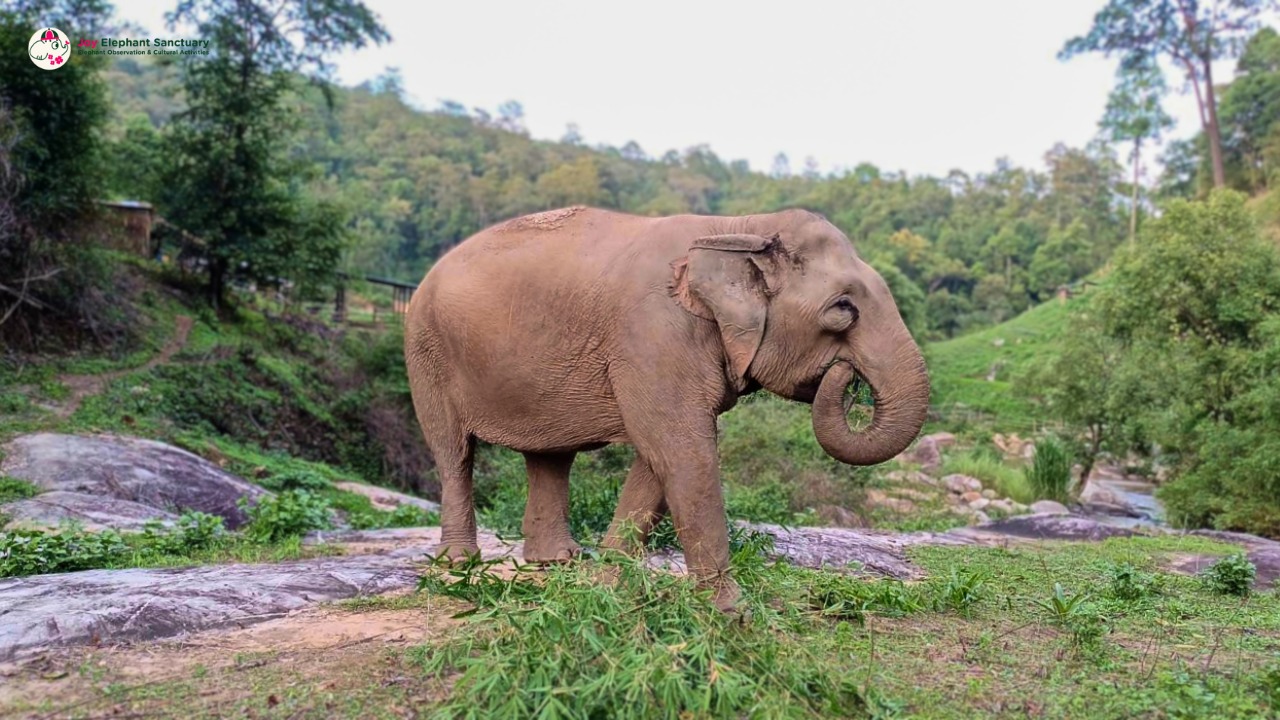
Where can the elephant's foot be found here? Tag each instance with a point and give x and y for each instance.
(550, 551)
(456, 552)
(725, 594)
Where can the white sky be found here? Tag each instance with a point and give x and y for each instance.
(921, 86)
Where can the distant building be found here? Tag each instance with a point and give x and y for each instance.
(126, 226)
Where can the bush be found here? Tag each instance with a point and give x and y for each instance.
(1050, 473)
(34, 552)
(14, 489)
(1127, 583)
(193, 532)
(291, 513)
(1232, 575)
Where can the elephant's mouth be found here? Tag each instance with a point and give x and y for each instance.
(806, 390)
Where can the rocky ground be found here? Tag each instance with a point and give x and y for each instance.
(120, 482)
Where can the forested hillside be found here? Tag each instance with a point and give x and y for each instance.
(970, 250)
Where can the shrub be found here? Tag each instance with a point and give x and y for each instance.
(33, 552)
(192, 532)
(1127, 583)
(14, 489)
(1232, 575)
(1050, 473)
(288, 514)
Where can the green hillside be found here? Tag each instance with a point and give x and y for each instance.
(961, 367)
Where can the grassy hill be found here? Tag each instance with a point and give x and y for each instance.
(973, 374)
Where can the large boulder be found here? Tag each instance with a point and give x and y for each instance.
(141, 472)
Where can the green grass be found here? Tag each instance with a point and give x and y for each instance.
(959, 367)
(994, 473)
(1053, 630)
(12, 489)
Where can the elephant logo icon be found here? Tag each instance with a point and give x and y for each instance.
(49, 48)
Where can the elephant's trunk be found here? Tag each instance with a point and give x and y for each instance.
(900, 386)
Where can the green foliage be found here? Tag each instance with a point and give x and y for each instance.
(1232, 575)
(192, 532)
(1050, 472)
(1075, 614)
(1128, 584)
(291, 513)
(228, 176)
(1180, 348)
(961, 590)
(362, 515)
(300, 479)
(987, 466)
(31, 552)
(14, 489)
(648, 645)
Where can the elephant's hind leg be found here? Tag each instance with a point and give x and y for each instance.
(640, 507)
(454, 459)
(547, 538)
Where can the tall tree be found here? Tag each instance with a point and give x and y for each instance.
(1191, 33)
(233, 182)
(1134, 115)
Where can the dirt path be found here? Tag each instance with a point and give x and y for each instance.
(83, 386)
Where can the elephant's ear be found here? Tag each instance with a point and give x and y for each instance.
(729, 278)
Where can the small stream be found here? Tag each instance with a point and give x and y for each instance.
(1136, 504)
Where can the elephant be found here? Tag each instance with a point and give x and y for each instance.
(571, 329)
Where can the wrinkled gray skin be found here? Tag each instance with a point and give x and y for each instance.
(567, 330)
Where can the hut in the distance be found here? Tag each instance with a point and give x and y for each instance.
(127, 226)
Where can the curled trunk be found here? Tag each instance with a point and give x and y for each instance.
(900, 386)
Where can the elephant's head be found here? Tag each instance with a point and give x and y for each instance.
(803, 316)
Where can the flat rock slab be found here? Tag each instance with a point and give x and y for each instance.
(94, 512)
(1053, 526)
(879, 552)
(111, 606)
(138, 471)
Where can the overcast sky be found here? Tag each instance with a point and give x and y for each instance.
(921, 86)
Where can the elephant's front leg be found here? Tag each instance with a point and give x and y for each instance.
(681, 451)
(547, 537)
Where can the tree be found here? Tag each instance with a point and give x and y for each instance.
(1190, 33)
(232, 181)
(1134, 115)
(572, 135)
(781, 166)
(50, 148)
(1251, 114)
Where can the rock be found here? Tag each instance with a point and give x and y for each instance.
(837, 516)
(109, 606)
(970, 496)
(912, 477)
(1048, 506)
(980, 517)
(1003, 506)
(93, 512)
(1056, 527)
(960, 484)
(990, 494)
(877, 498)
(883, 553)
(979, 504)
(385, 498)
(1029, 451)
(139, 471)
(927, 452)
(914, 495)
(1017, 506)
(998, 342)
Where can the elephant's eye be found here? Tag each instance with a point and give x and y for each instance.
(840, 316)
